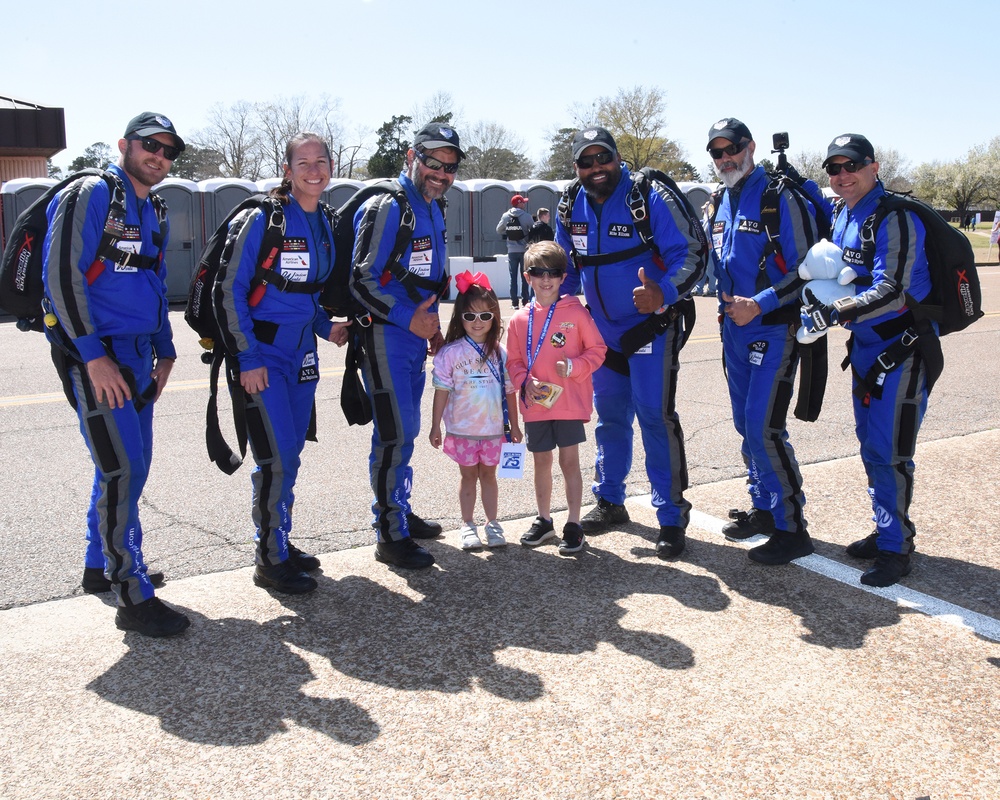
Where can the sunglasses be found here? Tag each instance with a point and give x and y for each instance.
(154, 146)
(538, 272)
(482, 316)
(731, 150)
(586, 162)
(432, 163)
(850, 166)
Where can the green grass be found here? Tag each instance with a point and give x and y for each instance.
(980, 240)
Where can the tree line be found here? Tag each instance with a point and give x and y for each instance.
(246, 140)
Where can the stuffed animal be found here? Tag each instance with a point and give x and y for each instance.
(829, 279)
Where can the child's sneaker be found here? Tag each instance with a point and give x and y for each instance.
(573, 539)
(541, 530)
(494, 535)
(470, 537)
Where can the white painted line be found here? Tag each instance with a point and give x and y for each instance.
(941, 610)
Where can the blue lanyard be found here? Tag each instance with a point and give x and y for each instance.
(541, 336)
(496, 374)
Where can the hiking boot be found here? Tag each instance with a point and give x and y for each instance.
(421, 528)
(541, 531)
(744, 525)
(888, 568)
(864, 548)
(405, 554)
(304, 561)
(285, 577)
(470, 537)
(603, 516)
(151, 617)
(782, 548)
(670, 542)
(573, 539)
(494, 535)
(94, 581)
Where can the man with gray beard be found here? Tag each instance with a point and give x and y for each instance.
(759, 287)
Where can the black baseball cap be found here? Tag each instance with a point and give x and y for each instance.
(591, 136)
(436, 134)
(148, 123)
(851, 145)
(728, 128)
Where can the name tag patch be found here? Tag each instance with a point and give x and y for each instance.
(295, 260)
(757, 351)
(578, 230)
(749, 226)
(130, 242)
(620, 231)
(309, 371)
(853, 257)
(421, 256)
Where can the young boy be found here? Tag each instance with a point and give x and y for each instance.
(553, 348)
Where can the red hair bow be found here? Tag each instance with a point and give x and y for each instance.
(467, 279)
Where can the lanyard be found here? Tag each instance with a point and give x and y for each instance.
(496, 374)
(541, 336)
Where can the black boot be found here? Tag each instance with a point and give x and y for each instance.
(782, 548)
(285, 577)
(405, 553)
(864, 548)
(670, 542)
(745, 525)
(888, 568)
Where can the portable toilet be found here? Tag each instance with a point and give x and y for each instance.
(340, 190)
(697, 193)
(219, 196)
(540, 194)
(490, 199)
(184, 248)
(459, 221)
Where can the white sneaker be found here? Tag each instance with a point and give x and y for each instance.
(470, 537)
(494, 535)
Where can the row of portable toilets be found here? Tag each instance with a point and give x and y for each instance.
(197, 209)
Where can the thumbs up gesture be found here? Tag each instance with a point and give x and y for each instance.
(425, 323)
(648, 296)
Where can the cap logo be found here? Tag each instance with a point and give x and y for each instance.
(163, 121)
(722, 123)
(840, 141)
(447, 133)
(590, 135)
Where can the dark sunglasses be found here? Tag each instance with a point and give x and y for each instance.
(850, 166)
(154, 146)
(586, 162)
(730, 150)
(472, 316)
(538, 272)
(432, 163)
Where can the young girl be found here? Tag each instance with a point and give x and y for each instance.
(475, 398)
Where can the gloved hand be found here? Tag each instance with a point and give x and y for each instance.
(817, 317)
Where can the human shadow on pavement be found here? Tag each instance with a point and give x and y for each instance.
(235, 682)
(228, 682)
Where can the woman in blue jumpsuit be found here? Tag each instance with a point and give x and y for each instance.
(274, 333)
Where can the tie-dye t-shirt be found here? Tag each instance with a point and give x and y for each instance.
(474, 410)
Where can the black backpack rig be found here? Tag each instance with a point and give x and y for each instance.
(643, 181)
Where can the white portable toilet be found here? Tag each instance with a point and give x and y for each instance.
(183, 199)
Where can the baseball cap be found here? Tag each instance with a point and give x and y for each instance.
(591, 136)
(729, 128)
(147, 123)
(517, 199)
(852, 145)
(436, 134)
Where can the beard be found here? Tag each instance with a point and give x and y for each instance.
(602, 191)
(429, 193)
(731, 177)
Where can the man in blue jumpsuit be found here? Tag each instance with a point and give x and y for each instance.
(761, 354)
(114, 349)
(889, 404)
(625, 284)
(403, 327)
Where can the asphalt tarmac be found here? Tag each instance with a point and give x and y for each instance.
(512, 673)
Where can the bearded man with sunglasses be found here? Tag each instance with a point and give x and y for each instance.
(626, 282)
(887, 347)
(106, 303)
(401, 327)
(759, 287)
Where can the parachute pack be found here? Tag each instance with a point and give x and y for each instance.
(21, 286)
(645, 180)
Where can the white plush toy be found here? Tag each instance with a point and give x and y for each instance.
(829, 279)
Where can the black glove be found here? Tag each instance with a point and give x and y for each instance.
(817, 316)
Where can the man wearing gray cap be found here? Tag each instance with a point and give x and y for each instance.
(401, 326)
(893, 356)
(105, 285)
(631, 284)
(759, 285)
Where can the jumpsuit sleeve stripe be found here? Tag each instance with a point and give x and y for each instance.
(897, 255)
(369, 260)
(232, 281)
(692, 263)
(798, 227)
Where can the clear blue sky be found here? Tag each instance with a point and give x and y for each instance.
(913, 75)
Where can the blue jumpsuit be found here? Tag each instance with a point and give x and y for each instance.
(888, 419)
(648, 392)
(393, 358)
(278, 332)
(125, 307)
(762, 356)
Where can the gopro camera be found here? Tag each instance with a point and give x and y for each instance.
(779, 141)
